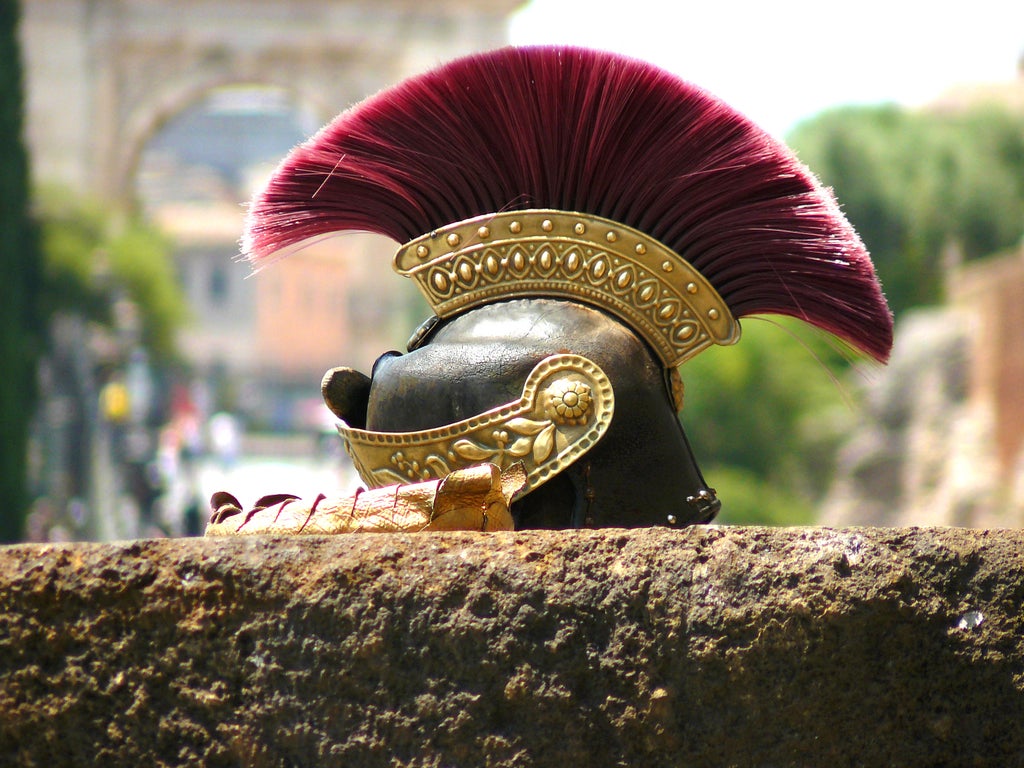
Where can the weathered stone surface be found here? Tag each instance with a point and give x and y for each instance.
(711, 646)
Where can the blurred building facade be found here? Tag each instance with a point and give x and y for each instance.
(178, 110)
(942, 442)
(104, 75)
(181, 108)
(991, 292)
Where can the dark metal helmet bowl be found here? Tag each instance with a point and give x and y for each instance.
(581, 224)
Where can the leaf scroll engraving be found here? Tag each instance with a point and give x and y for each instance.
(566, 406)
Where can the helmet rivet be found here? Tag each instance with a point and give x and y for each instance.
(515, 227)
(454, 239)
(580, 228)
(713, 313)
(691, 287)
(641, 249)
(546, 225)
(422, 251)
(666, 266)
(483, 233)
(612, 236)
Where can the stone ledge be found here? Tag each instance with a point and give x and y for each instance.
(710, 646)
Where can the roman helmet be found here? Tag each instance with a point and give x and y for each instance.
(581, 224)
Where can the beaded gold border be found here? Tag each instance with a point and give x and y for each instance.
(565, 408)
(538, 252)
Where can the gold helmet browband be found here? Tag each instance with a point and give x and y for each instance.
(559, 254)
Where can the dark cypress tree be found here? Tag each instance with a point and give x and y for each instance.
(21, 270)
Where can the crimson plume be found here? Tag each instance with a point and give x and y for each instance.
(592, 132)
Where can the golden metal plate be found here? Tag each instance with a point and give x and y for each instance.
(586, 258)
(565, 408)
(471, 499)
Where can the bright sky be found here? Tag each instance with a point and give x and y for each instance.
(781, 61)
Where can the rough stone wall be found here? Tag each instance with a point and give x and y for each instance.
(709, 646)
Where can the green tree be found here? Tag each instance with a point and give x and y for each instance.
(68, 257)
(764, 417)
(115, 275)
(20, 327)
(915, 183)
(90, 254)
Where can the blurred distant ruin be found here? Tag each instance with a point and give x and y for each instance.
(180, 109)
(943, 441)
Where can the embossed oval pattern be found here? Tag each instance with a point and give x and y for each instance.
(492, 264)
(545, 262)
(669, 310)
(518, 264)
(646, 292)
(465, 272)
(572, 262)
(623, 279)
(686, 331)
(441, 282)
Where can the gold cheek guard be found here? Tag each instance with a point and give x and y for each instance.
(566, 407)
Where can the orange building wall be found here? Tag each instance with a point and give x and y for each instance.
(336, 302)
(302, 325)
(994, 290)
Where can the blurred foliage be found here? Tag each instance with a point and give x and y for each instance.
(766, 416)
(91, 256)
(916, 183)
